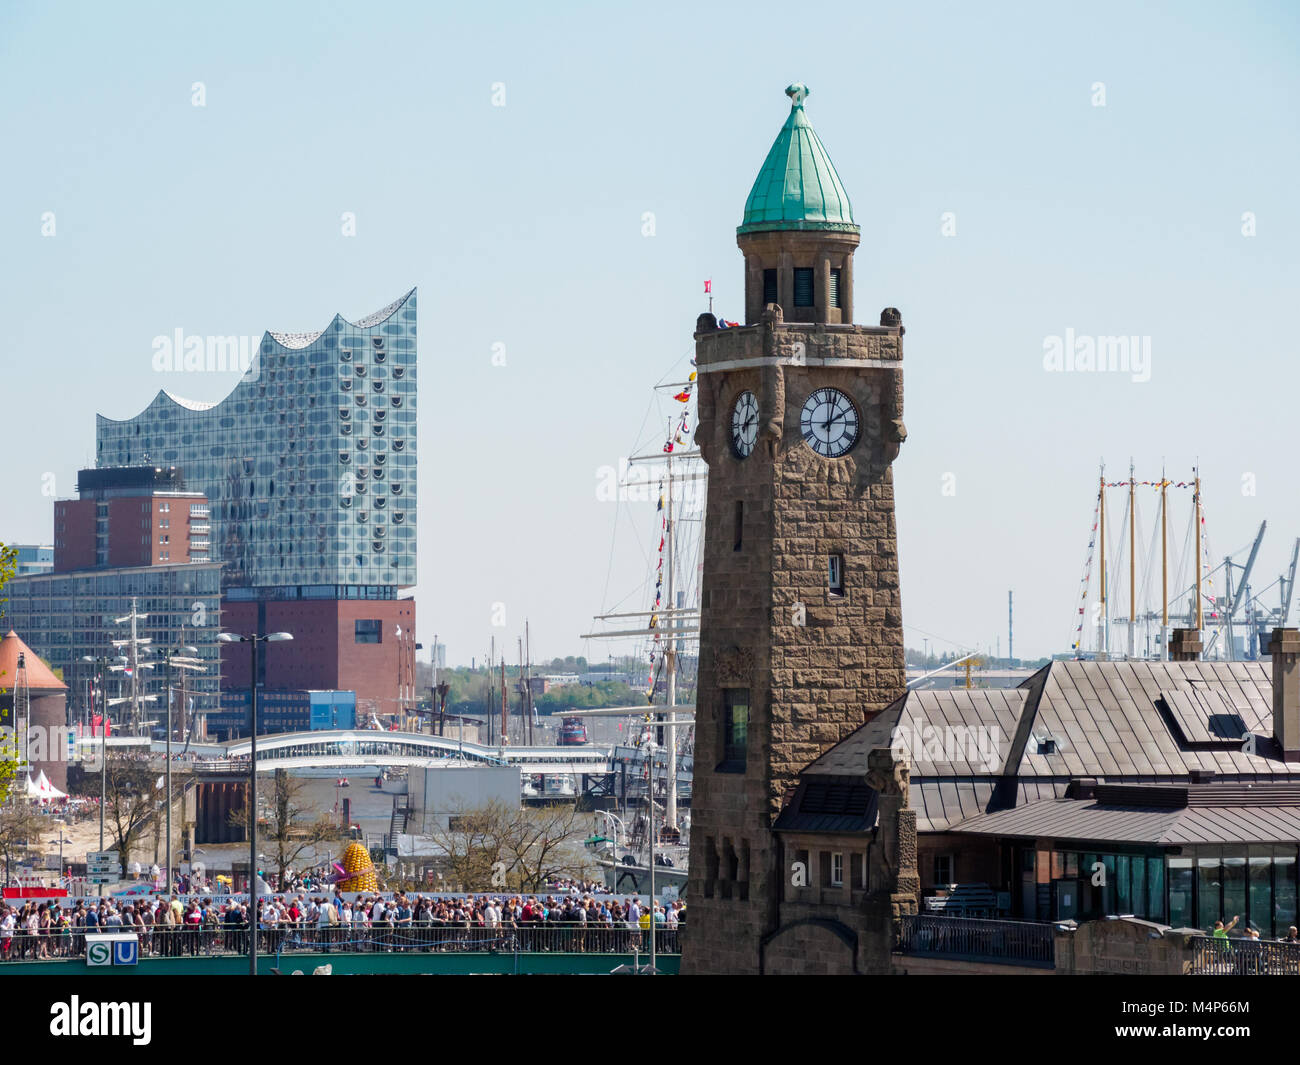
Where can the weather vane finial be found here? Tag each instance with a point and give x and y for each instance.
(798, 92)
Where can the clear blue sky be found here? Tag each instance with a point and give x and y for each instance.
(522, 225)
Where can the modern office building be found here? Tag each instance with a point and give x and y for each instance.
(33, 558)
(130, 516)
(283, 711)
(310, 467)
(66, 617)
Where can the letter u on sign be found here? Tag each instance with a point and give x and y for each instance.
(126, 952)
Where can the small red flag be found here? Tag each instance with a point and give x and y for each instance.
(708, 287)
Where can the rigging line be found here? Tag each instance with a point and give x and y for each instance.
(941, 639)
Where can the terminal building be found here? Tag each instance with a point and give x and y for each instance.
(310, 469)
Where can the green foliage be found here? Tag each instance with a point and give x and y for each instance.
(467, 692)
(8, 749)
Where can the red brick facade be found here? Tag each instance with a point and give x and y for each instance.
(325, 653)
(144, 530)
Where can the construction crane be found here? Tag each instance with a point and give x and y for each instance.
(1243, 587)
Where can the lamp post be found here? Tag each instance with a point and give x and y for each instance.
(253, 640)
(181, 658)
(62, 841)
(100, 663)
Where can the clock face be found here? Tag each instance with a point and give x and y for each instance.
(744, 424)
(829, 423)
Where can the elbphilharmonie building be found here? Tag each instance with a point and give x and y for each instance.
(310, 467)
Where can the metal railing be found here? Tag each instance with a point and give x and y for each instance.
(288, 938)
(1243, 957)
(975, 939)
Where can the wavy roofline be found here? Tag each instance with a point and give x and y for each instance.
(369, 321)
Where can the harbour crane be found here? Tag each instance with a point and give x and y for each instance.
(1243, 587)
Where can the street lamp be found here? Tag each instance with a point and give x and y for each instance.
(101, 664)
(253, 640)
(62, 841)
(180, 658)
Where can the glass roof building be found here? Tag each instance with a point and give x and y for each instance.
(309, 463)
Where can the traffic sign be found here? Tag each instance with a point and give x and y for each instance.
(93, 857)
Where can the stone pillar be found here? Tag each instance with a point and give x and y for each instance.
(822, 288)
(893, 884)
(1284, 648)
(1185, 645)
(846, 289)
(785, 282)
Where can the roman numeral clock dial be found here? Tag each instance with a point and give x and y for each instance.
(829, 423)
(744, 424)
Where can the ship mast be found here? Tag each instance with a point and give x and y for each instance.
(1105, 627)
(1196, 498)
(1132, 562)
(1164, 567)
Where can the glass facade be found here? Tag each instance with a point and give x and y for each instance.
(64, 617)
(1192, 889)
(309, 464)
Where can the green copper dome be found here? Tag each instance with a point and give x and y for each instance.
(798, 187)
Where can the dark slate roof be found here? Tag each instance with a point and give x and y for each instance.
(1114, 721)
(830, 804)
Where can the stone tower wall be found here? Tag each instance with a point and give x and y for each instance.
(817, 665)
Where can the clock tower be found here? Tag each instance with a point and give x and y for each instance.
(800, 417)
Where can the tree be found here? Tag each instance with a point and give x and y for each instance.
(20, 826)
(8, 746)
(498, 847)
(133, 799)
(289, 827)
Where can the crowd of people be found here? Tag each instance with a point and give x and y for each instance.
(175, 926)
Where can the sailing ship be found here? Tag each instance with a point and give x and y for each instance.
(654, 765)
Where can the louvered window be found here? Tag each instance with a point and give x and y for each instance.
(769, 287)
(803, 286)
(835, 287)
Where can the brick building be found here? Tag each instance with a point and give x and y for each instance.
(130, 516)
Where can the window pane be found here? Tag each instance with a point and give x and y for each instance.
(1261, 895)
(1138, 877)
(1209, 886)
(1123, 897)
(1234, 889)
(1284, 889)
(735, 728)
(1156, 888)
(1181, 878)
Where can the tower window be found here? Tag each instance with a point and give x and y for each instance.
(769, 287)
(368, 630)
(735, 729)
(835, 287)
(740, 525)
(803, 286)
(836, 574)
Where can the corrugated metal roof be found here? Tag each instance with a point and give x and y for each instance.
(1087, 820)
